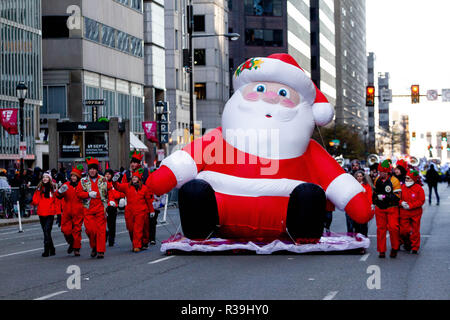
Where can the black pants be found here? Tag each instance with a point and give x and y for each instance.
(47, 224)
(111, 223)
(430, 189)
(152, 226)
(328, 219)
(353, 227)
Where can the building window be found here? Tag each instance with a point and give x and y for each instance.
(200, 91)
(199, 57)
(264, 37)
(199, 23)
(263, 7)
(54, 27)
(108, 36)
(123, 41)
(136, 4)
(54, 101)
(136, 46)
(91, 29)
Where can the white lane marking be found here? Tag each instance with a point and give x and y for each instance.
(364, 257)
(50, 295)
(162, 259)
(330, 295)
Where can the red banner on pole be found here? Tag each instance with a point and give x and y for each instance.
(8, 120)
(150, 129)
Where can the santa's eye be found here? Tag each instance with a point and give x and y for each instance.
(284, 93)
(260, 88)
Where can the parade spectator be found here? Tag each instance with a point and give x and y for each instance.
(139, 200)
(37, 176)
(373, 173)
(412, 200)
(355, 166)
(4, 180)
(72, 212)
(93, 191)
(111, 211)
(329, 208)
(386, 198)
(432, 179)
(45, 200)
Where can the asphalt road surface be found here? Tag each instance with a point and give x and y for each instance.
(24, 274)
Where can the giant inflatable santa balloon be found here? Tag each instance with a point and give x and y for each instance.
(259, 175)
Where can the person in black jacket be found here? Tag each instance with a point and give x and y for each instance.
(432, 179)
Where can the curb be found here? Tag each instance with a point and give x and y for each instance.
(16, 222)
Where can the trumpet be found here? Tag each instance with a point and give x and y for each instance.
(340, 160)
(372, 159)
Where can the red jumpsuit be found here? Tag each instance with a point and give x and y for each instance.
(94, 217)
(410, 218)
(72, 216)
(136, 212)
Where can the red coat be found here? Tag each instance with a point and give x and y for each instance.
(415, 197)
(71, 203)
(138, 202)
(45, 206)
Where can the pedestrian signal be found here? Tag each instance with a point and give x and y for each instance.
(413, 136)
(444, 136)
(415, 94)
(370, 96)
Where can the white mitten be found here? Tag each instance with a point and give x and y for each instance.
(122, 203)
(116, 177)
(373, 207)
(380, 197)
(63, 188)
(93, 194)
(405, 205)
(112, 204)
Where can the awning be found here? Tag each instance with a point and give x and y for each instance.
(137, 144)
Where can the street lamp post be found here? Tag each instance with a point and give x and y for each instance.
(21, 91)
(190, 29)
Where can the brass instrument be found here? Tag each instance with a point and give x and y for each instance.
(372, 159)
(413, 161)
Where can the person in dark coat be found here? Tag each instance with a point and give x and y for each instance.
(432, 178)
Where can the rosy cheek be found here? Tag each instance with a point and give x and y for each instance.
(252, 96)
(288, 103)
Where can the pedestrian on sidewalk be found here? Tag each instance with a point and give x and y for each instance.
(412, 200)
(93, 191)
(114, 197)
(72, 212)
(432, 179)
(45, 200)
(139, 200)
(386, 198)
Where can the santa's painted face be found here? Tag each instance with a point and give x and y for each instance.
(282, 121)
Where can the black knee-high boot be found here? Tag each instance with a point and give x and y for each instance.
(198, 209)
(306, 213)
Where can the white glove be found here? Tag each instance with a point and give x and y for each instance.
(152, 214)
(405, 205)
(122, 203)
(112, 204)
(93, 194)
(63, 188)
(372, 207)
(116, 177)
(380, 197)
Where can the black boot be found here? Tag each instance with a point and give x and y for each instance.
(69, 240)
(306, 213)
(46, 252)
(52, 250)
(198, 209)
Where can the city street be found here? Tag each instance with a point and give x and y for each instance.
(152, 275)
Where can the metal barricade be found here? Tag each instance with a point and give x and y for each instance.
(8, 202)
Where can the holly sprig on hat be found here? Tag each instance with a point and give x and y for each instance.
(250, 64)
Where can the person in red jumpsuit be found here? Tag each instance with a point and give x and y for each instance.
(72, 213)
(413, 198)
(139, 200)
(386, 198)
(93, 191)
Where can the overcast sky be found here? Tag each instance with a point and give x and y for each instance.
(411, 41)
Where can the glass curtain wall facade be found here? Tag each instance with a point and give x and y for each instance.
(20, 60)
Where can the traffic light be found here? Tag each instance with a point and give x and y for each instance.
(444, 136)
(414, 136)
(415, 94)
(448, 147)
(370, 96)
(430, 147)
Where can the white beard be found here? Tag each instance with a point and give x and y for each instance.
(285, 135)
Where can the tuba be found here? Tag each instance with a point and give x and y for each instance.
(372, 159)
(413, 161)
(340, 160)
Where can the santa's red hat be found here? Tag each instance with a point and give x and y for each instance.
(282, 68)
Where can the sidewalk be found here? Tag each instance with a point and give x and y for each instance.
(15, 221)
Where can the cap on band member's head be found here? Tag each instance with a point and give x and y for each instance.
(92, 163)
(77, 171)
(385, 166)
(138, 173)
(413, 174)
(136, 156)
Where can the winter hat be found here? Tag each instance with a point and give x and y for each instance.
(77, 171)
(92, 163)
(283, 68)
(413, 174)
(136, 156)
(138, 173)
(48, 174)
(385, 166)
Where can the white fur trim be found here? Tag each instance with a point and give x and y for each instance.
(182, 166)
(323, 113)
(275, 70)
(247, 187)
(342, 189)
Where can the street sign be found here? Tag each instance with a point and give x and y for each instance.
(164, 138)
(160, 153)
(386, 95)
(432, 95)
(22, 149)
(445, 95)
(94, 102)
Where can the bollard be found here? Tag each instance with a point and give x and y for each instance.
(165, 209)
(20, 218)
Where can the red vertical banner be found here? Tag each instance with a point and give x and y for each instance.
(8, 120)
(150, 129)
